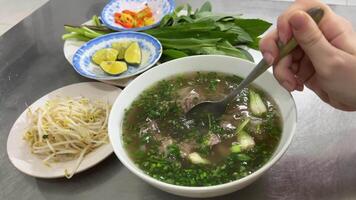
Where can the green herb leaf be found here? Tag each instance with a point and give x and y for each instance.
(189, 10)
(188, 43)
(166, 21)
(254, 27)
(254, 44)
(247, 54)
(173, 53)
(206, 7)
(195, 26)
(230, 50)
(243, 157)
(242, 35)
(179, 8)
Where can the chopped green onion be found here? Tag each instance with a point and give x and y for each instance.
(257, 106)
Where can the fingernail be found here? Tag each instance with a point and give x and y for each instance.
(282, 37)
(268, 58)
(289, 86)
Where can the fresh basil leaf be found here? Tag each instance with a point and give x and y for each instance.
(165, 21)
(173, 53)
(208, 51)
(179, 8)
(246, 53)
(254, 27)
(254, 44)
(188, 43)
(189, 10)
(206, 7)
(230, 50)
(205, 26)
(242, 35)
(225, 26)
(184, 19)
(229, 18)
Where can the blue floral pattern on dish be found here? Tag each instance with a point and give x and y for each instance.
(160, 8)
(151, 50)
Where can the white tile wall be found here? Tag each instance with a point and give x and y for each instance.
(352, 2)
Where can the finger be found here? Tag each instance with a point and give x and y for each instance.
(284, 75)
(346, 42)
(297, 54)
(294, 67)
(268, 47)
(310, 39)
(340, 33)
(335, 28)
(305, 70)
(300, 85)
(284, 30)
(333, 25)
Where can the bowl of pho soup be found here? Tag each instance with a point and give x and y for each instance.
(203, 156)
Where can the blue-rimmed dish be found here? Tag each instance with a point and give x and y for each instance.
(151, 50)
(160, 8)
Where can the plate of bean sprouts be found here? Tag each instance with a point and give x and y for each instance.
(63, 132)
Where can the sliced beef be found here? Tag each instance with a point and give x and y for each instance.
(187, 147)
(152, 128)
(189, 97)
(165, 142)
(228, 126)
(213, 139)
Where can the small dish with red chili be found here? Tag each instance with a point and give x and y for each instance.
(135, 15)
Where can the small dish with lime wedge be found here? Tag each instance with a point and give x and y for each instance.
(117, 55)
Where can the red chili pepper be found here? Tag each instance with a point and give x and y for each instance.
(131, 19)
(129, 12)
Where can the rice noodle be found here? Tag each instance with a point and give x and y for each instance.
(67, 129)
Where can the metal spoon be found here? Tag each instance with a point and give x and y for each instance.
(217, 108)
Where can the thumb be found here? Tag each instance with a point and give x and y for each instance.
(309, 37)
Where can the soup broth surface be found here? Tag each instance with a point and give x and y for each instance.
(169, 147)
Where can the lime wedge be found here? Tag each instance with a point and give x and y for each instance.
(107, 54)
(113, 67)
(121, 48)
(133, 54)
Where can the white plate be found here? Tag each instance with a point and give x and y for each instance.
(19, 151)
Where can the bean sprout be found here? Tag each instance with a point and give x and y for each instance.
(67, 129)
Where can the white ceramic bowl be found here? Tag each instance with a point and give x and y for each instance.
(213, 63)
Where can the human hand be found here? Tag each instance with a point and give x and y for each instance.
(325, 60)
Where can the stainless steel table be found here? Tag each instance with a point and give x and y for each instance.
(320, 163)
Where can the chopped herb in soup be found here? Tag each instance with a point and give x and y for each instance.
(200, 152)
